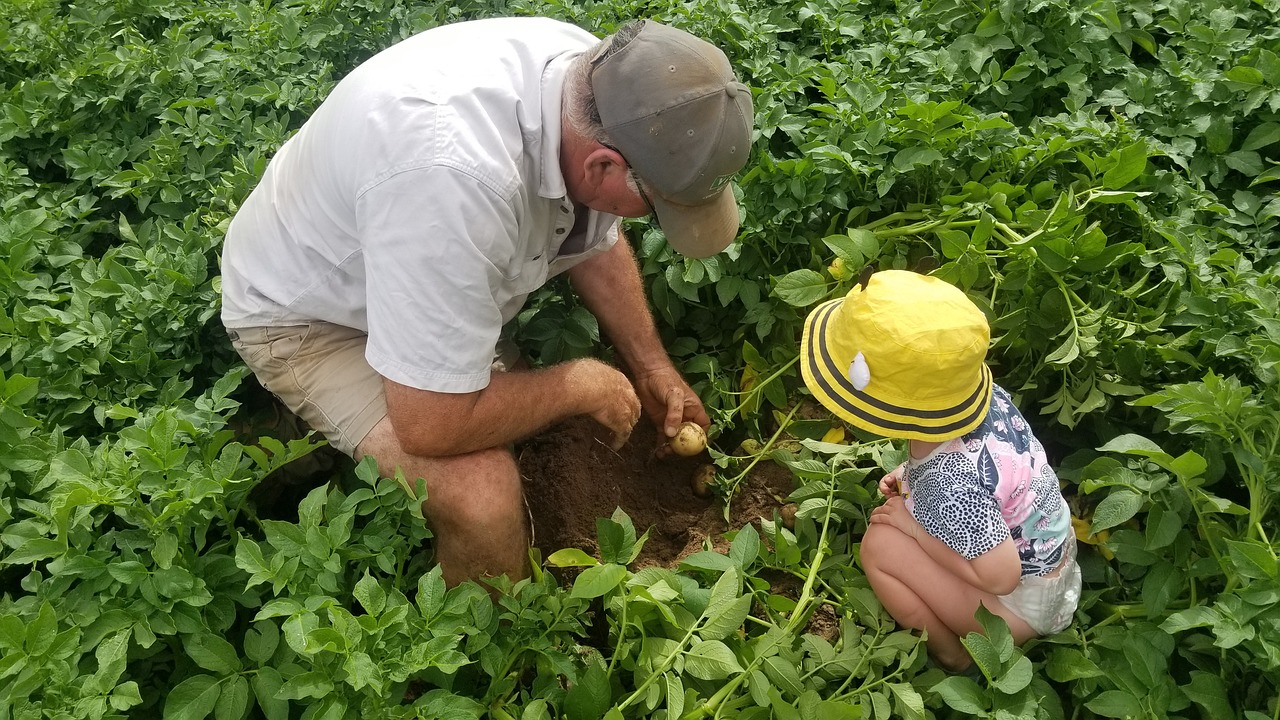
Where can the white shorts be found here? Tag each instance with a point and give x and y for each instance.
(1047, 603)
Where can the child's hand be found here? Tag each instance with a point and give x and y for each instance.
(894, 512)
(890, 484)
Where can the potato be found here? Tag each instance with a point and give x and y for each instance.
(788, 513)
(702, 480)
(689, 440)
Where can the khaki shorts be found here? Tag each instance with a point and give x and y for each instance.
(318, 371)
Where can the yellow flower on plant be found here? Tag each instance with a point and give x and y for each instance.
(1097, 539)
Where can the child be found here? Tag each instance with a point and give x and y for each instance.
(975, 515)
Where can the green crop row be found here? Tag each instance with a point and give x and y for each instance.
(1102, 177)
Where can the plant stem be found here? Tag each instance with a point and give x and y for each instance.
(799, 614)
(755, 459)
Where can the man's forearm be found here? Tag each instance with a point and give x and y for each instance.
(515, 405)
(609, 285)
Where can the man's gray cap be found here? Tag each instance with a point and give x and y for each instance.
(674, 109)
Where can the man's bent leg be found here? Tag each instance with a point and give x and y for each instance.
(474, 502)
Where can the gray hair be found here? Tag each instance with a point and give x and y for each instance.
(579, 99)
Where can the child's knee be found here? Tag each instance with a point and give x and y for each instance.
(879, 547)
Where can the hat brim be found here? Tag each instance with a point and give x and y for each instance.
(833, 388)
(702, 230)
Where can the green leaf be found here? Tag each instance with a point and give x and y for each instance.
(615, 539)
(674, 692)
(596, 581)
(912, 157)
(866, 242)
(212, 653)
(707, 560)
(1116, 508)
(1129, 163)
(1244, 75)
(261, 641)
(266, 683)
(1016, 678)
(954, 242)
(745, 547)
(1066, 664)
(361, 670)
(962, 695)
(784, 676)
(234, 700)
(42, 631)
(801, 288)
(845, 249)
(1209, 691)
(571, 557)
(910, 702)
(370, 594)
(727, 619)
(588, 698)
(35, 550)
(711, 660)
(984, 654)
(1252, 559)
(1115, 704)
(193, 698)
(312, 684)
(431, 593)
(1267, 133)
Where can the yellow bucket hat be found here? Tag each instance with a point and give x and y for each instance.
(901, 357)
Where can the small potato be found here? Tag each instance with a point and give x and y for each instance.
(788, 514)
(689, 440)
(702, 480)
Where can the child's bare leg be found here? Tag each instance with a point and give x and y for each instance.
(921, 594)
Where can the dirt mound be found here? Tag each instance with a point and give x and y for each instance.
(571, 478)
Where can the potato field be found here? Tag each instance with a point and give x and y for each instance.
(1102, 177)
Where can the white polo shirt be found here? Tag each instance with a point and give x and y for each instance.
(421, 203)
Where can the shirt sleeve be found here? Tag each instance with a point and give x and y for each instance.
(950, 504)
(437, 243)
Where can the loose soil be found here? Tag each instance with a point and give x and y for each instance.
(571, 478)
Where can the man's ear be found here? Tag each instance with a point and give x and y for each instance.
(600, 164)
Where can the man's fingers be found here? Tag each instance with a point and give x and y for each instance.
(620, 439)
(675, 411)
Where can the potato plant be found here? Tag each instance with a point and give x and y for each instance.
(1101, 178)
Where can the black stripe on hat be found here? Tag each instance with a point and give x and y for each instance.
(818, 354)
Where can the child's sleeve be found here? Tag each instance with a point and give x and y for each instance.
(957, 510)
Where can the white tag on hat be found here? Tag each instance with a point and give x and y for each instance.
(859, 373)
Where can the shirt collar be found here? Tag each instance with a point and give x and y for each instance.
(551, 183)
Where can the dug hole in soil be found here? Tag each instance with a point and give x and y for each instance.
(571, 478)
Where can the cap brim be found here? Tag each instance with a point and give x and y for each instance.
(699, 231)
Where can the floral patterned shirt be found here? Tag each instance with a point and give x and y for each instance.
(974, 491)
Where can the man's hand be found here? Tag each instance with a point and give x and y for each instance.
(668, 401)
(609, 397)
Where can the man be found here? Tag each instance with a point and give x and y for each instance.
(368, 276)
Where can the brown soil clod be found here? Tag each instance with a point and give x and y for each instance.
(570, 479)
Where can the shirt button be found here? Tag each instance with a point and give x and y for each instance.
(564, 209)
(559, 231)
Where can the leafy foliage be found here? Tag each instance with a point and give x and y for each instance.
(1101, 178)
